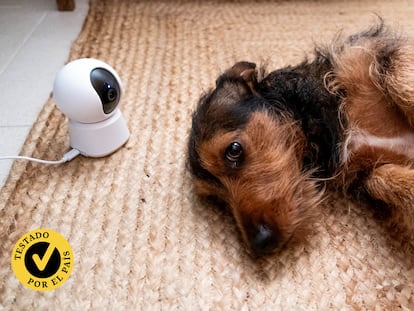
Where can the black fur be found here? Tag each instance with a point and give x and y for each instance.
(297, 92)
(301, 91)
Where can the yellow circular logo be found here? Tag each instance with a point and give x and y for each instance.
(42, 259)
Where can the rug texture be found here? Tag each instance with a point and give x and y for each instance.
(141, 239)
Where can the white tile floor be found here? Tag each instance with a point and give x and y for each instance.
(35, 40)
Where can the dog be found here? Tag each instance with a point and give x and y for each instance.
(268, 145)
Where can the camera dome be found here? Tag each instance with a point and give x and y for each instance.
(87, 90)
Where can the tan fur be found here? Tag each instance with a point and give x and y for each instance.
(393, 184)
(399, 80)
(373, 75)
(282, 196)
(380, 103)
(366, 105)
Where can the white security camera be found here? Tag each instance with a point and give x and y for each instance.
(88, 92)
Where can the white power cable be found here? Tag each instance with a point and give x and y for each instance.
(66, 158)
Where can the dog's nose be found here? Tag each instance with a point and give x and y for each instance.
(264, 241)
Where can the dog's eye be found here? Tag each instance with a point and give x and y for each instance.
(234, 152)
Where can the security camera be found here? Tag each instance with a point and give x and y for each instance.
(88, 92)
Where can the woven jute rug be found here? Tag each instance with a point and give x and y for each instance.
(141, 239)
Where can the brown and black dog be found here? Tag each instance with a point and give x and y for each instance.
(266, 144)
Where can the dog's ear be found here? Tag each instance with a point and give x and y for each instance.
(234, 85)
(245, 70)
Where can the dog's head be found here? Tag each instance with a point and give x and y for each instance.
(248, 154)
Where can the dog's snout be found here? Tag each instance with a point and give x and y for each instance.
(264, 240)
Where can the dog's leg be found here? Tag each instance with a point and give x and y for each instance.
(399, 79)
(394, 185)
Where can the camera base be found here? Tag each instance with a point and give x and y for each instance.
(101, 138)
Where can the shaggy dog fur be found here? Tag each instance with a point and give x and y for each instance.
(265, 145)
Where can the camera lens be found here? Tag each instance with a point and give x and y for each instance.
(111, 93)
(107, 87)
